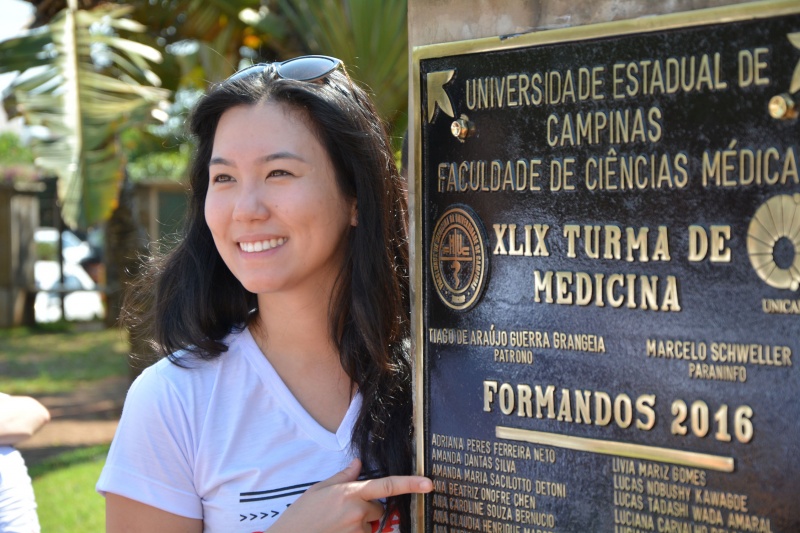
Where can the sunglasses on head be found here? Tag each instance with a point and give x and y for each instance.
(303, 68)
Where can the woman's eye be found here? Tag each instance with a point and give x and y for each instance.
(278, 172)
(222, 178)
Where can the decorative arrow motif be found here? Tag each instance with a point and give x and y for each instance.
(243, 517)
(437, 96)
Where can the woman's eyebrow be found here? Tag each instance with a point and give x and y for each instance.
(264, 159)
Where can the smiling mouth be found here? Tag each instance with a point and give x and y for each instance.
(261, 246)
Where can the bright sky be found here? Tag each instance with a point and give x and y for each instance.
(15, 15)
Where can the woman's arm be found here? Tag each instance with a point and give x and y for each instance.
(124, 515)
(20, 418)
(340, 504)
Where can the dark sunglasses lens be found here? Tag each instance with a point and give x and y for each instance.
(247, 71)
(307, 68)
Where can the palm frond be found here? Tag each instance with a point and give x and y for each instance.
(83, 104)
(369, 36)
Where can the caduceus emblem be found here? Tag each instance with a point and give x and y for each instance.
(454, 252)
(458, 257)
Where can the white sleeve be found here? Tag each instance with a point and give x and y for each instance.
(151, 459)
(17, 502)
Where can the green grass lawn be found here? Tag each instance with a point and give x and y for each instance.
(64, 487)
(53, 359)
(37, 361)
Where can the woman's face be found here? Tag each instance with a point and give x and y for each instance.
(277, 215)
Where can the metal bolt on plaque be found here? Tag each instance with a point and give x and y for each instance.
(782, 106)
(461, 128)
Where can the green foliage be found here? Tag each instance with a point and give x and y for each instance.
(64, 488)
(170, 166)
(35, 361)
(12, 151)
(161, 152)
(90, 82)
(370, 37)
(16, 159)
(47, 251)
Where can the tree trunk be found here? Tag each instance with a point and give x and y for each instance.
(126, 249)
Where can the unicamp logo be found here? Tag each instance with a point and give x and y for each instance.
(773, 242)
(458, 257)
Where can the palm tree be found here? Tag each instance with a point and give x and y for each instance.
(369, 36)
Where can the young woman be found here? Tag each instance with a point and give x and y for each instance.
(284, 403)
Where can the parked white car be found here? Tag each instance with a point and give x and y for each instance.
(85, 303)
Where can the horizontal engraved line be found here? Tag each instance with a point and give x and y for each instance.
(621, 449)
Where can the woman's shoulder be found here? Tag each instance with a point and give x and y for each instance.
(184, 392)
(186, 373)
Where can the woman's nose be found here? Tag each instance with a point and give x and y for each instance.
(251, 204)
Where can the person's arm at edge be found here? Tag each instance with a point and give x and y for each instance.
(124, 515)
(20, 418)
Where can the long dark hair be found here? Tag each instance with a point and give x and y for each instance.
(197, 301)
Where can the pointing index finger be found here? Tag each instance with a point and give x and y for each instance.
(385, 487)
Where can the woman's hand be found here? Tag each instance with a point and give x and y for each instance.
(341, 504)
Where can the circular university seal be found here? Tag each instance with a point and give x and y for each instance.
(775, 223)
(458, 257)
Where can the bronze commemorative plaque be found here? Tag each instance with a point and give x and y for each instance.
(607, 276)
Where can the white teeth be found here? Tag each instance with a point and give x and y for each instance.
(261, 246)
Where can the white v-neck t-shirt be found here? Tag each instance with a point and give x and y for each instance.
(223, 440)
